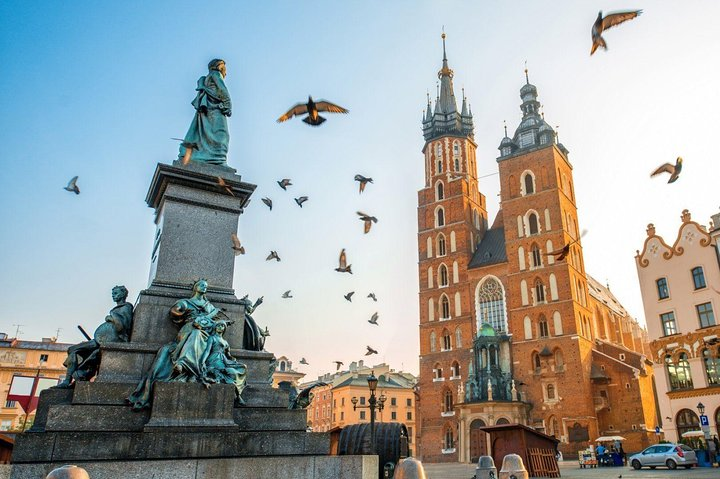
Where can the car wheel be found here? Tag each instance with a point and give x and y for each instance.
(636, 465)
(671, 464)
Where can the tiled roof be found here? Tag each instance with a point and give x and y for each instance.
(491, 249)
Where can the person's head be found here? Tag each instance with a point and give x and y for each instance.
(219, 65)
(200, 286)
(119, 294)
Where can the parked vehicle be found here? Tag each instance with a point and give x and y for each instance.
(664, 455)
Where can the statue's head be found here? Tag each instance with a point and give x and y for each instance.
(222, 325)
(200, 286)
(245, 300)
(119, 293)
(219, 65)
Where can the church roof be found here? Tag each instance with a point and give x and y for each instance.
(603, 295)
(491, 249)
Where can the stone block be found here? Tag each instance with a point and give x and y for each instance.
(95, 418)
(270, 419)
(259, 396)
(192, 405)
(97, 392)
(317, 443)
(48, 398)
(125, 362)
(33, 447)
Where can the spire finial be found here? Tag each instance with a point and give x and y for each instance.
(437, 87)
(428, 96)
(527, 79)
(505, 126)
(463, 92)
(443, 39)
(557, 133)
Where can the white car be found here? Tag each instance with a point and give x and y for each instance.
(667, 455)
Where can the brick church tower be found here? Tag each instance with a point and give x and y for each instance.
(451, 220)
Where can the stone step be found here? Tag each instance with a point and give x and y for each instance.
(270, 419)
(180, 444)
(95, 418)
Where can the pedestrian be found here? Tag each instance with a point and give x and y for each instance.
(622, 455)
(712, 452)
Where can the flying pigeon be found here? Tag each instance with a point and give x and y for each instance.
(284, 183)
(367, 219)
(72, 186)
(301, 200)
(561, 253)
(287, 295)
(363, 181)
(236, 246)
(338, 364)
(349, 296)
(668, 168)
(372, 295)
(370, 351)
(343, 267)
(225, 186)
(610, 20)
(268, 202)
(304, 361)
(273, 255)
(374, 319)
(312, 108)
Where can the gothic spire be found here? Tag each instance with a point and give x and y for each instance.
(447, 95)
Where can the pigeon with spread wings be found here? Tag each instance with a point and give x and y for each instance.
(338, 365)
(72, 186)
(349, 296)
(343, 267)
(608, 21)
(268, 202)
(561, 253)
(287, 295)
(674, 170)
(370, 351)
(374, 319)
(273, 255)
(363, 180)
(367, 220)
(236, 246)
(312, 109)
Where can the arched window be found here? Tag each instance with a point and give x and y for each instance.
(282, 365)
(437, 371)
(679, 372)
(431, 309)
(439, 191)
(524, 293)
(533, 227)
(490, 304)
(456, 162)
(458, 337)
(441, 245)
(536, 256)
(559, 360)
(453, 245)
(439, 217)
(527, 326)
(712, 366)
(448, 401)
(553, 287)
(539, 291)
(521, 258)
(433, 342)
(446, 340)
(438, 158)
(455, 369)
(686, 420)
(448, 442)
(456, 149)
(536, 361)
(502, 421)
(550, 391)
(444, 307)
(557, 323)
(442, 275)
(493, 356)
(429, 247)
(543, 327)
(456, 272)
(528, 183)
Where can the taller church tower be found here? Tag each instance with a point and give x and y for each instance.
(452, 218)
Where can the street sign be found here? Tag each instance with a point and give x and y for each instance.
(704, 420)
(657, 429)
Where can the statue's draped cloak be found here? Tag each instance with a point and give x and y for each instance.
(208, 133)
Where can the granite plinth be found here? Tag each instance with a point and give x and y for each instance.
(49, 398)
(192, 405)
(303, 467)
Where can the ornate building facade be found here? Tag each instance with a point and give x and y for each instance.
(494, 293)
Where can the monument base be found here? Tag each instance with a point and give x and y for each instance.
(287, 467)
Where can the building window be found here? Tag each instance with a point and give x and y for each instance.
(686, 420)
(533, 225)
(543, 328)
(505, 150)
(539, 292)
(410, 435)
(536, 256)
(440, 191)
(362, 415)
(527, 138)
(437, 371)
(393, 415)
(458, 337)
(440, 217)
(698, 277)
(5, 425)
(408, 402)
(362, 400)
(447, 345)
(457, 163)
(455, 369)
(490, 305)
(662, 288)
(550, 391)
(441, 245)
(393, 401)
(456, 149)
(409, 416)
(536, 362)
(342, 401)
(529, 183)
(712, 367)
(445, 307)
(9, 403)
(44, 357)
(443, 275)
(448, 403)
(668, 323)
(433, 340)
(342, 415)
(679, 372)
(705, 314)
(448, 440)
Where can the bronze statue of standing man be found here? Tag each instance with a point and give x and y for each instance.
(207, 138)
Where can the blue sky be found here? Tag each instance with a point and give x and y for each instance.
(98, 90)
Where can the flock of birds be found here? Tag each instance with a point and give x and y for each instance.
(311, 112)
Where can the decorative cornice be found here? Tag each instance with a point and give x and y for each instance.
(691, 393)
(675, 249)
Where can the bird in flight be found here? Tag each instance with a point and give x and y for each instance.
(370, 351)
(287, 295)
(72, 186)
(338, 364)
(367, 220)
(268, 202)
(343, 267)
(372, 296)
(374, 319)
(674, 170)
(284, 183)
(225, 186)
(301, 200)
(312, 109)
(304, 361)
(273, 255)
(236, 246)
(561, 253)
(349, 296)
(363, 181)
(608, 21)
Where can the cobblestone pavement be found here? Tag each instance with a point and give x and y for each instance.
(571, 470)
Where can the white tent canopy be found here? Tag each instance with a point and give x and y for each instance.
(693, 434)
(609, 439)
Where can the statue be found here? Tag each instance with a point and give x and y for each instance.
(83, 359)
(253, 336)
(207, 138)
(199, 352)
(299, 399)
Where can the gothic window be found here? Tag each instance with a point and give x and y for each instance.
(559, 360)
(441, 245)
(448, 402)
(437, 371)
(448, 442)
(282, 365)
(444, 307)
(431, 309)
(712, 367)
(521, 258)
(668, 323)
(446, 344)
(439, 191)
(433, 342)
(492, 356)
(679, 372)
(528, 183)
(456, 162)
(536, 361)
(539, 291)
(527, 326)
(455, 369)
(458, 337)
(533, 226)
(705, 314)
(550, 391)
(490, 304)
(456, 149)
(536, 256)
(442, 275)
(543, 327)
(698, 277)
(440, 217)
(557, 323)
(438, 158)
(686, 420)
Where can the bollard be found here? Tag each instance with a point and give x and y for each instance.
(410, 468)
(486, 468)
(68, 472)
(513, 468)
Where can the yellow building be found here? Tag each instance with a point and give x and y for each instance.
(285, 372)
(26, 358)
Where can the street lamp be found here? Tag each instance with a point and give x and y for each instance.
(373, 404)
(701, 408)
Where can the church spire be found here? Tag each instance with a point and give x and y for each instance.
(447, 95)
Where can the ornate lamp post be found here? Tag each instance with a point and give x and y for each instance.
(701, 408)
(373, 404)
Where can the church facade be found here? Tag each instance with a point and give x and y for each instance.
(508, 332)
